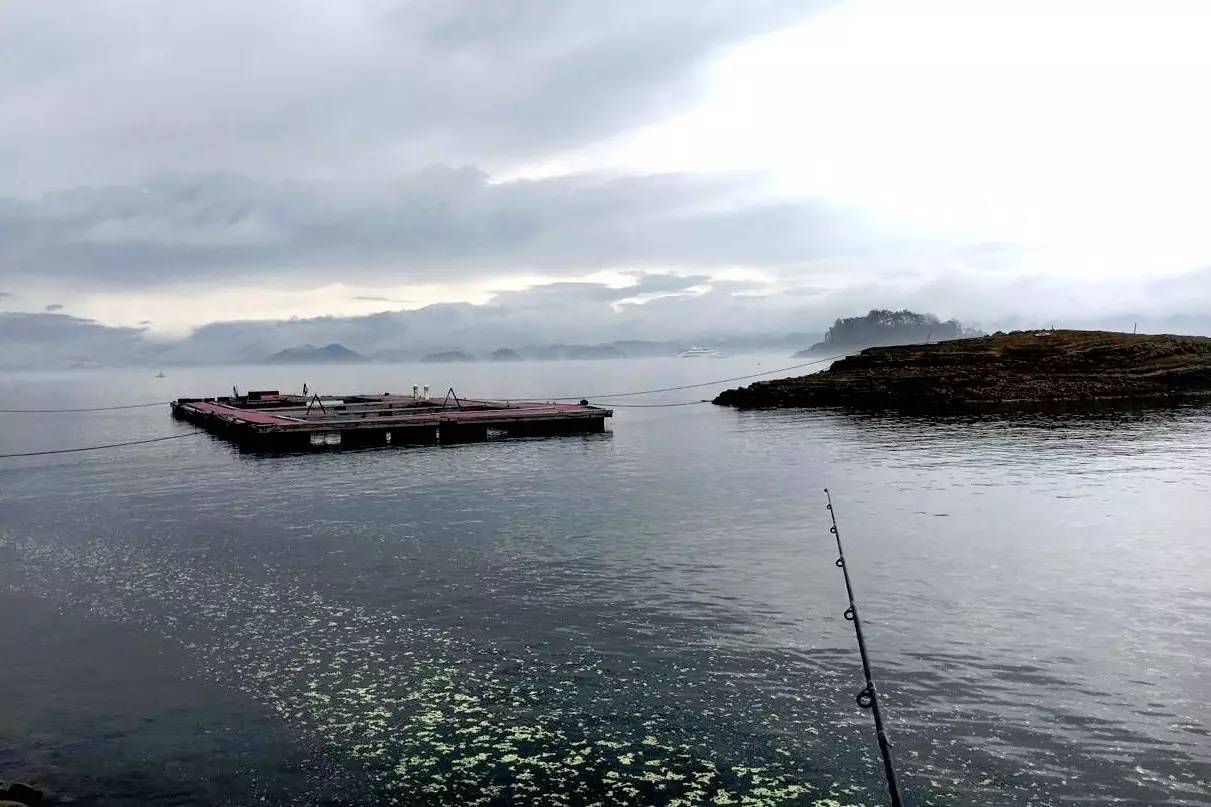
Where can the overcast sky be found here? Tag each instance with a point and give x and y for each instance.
(167, 165)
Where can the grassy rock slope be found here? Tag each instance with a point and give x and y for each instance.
(1005, 370)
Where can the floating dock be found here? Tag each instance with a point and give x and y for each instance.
(274, 420)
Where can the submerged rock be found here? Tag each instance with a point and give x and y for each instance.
(1020, 369)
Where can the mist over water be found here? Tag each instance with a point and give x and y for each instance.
(650, 615)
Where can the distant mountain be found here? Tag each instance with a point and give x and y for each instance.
(448, 355)
(310, 354)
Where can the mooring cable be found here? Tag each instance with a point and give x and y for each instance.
(868, 698)
(502, 400)
(647, 406)
(98, 448)
(83, 409)
(680, 387)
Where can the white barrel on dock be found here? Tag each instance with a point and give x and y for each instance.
(415, 390)
(426, 392)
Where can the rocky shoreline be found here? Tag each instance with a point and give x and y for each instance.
(1022, 369)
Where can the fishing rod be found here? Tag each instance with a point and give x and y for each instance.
(868, 698)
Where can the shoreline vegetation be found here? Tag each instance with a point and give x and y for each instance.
(1023, 369)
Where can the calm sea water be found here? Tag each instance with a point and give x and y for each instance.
(649, 616)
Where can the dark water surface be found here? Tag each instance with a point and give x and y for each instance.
(649, 616)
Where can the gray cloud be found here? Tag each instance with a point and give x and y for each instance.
(371, 298)
(148, 144)
(1194, 285)
(306, 134)
(115, 91)
(558, 295)
(436, 223)
(657, 283)
(54, 307)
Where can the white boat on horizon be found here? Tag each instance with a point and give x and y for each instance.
(700, 353)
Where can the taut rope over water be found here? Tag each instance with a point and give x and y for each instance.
(868, 698)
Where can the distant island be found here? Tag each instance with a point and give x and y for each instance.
(447, 355)
(561, 352)
(310, 354)
(1021, 369)
(882, 326)
(593, 352)
(505, 354)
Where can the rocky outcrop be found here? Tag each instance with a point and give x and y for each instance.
(1020, 369)
(20, 795)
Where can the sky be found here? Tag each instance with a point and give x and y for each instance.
(597, 171)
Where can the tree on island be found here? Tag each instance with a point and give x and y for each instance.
(881, 323)
(884, 327)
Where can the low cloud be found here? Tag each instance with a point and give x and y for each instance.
(58, 340)
(570, 313)
(54, 307)
(436, 225)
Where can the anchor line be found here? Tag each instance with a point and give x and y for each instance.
(84, 409)
(99, 448)
(629, 394)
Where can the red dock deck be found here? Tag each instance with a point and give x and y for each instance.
(270, 418)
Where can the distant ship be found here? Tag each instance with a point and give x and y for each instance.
(700, 353)
(160, 374)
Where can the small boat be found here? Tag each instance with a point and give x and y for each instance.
(700, 353)
(160, 374)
